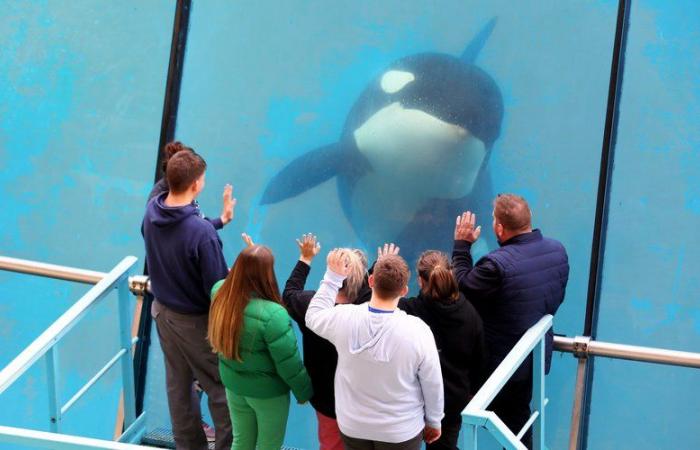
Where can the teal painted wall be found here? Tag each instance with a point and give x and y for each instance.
(81, 95)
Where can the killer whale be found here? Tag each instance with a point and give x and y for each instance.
(413, 150)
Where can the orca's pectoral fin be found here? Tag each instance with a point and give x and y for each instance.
(474, 48)
(303, 173)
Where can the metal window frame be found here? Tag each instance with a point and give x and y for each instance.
(171, 102)
(585, 369)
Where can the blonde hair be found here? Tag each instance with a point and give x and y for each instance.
(357, 262)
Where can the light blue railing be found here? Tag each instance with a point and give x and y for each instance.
(476, 414)
(45, 346)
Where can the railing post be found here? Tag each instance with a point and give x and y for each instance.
(54, 409)
(538, 395)
(125, 341)
(469, 433)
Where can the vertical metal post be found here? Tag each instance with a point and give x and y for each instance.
(538, 395)
(125, 342)
(579, 392)
(469, 433)
(54, 408)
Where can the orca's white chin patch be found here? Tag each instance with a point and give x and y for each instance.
(439, 159)
(395, 80)
(415, 157)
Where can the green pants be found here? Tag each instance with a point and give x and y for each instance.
(258, 421)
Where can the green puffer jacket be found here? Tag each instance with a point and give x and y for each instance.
(271, 363)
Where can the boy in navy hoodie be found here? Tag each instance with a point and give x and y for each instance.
(185, 259)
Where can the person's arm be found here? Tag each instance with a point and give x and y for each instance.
(476, 282)
(212, 265)
(321, 317)
(565, 276)
(282, 345)
(294, 296)
(430, 378)
(216, 222)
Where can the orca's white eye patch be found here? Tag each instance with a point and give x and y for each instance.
(395, 80)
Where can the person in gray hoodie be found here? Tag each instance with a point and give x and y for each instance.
(388, 383)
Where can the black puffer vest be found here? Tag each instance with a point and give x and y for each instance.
(534, 272)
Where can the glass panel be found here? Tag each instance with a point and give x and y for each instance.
(338, 88)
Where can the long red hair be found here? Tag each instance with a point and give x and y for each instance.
(252, 276)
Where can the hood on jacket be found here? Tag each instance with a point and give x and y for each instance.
(445, 313)
(161, 215)
(367, 335)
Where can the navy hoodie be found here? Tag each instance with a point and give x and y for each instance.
(184, 256)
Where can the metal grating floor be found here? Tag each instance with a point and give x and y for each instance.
(163, 438)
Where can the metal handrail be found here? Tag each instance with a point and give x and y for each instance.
(62, 325)
(138, 284)
(583, 346)
(476, 415)
(50, 270)
(44, 345)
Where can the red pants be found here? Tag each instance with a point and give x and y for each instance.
(328, 433)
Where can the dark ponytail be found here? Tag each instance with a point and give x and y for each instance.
(439, 282)
(170, 149)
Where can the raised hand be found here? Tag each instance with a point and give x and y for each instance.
(308, 248)
(338, 261)
(247, 240)
(431, 435)
(229, 203)
(387, 249)
(464, 228)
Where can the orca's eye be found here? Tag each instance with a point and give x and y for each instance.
(395, 80)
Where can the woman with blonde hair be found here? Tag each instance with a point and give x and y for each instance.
(320, 357)
(258, 357)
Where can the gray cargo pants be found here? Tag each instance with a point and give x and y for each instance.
(352, 443)
(188, 356)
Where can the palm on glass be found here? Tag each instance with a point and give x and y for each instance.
(386, 250)
(464, 228)
(308, 248)
(229, 203)
(247, 240)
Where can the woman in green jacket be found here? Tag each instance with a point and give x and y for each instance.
(258, 357)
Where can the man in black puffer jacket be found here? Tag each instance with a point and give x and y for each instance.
(512, 287)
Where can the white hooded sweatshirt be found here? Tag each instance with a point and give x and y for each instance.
(388, 383)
